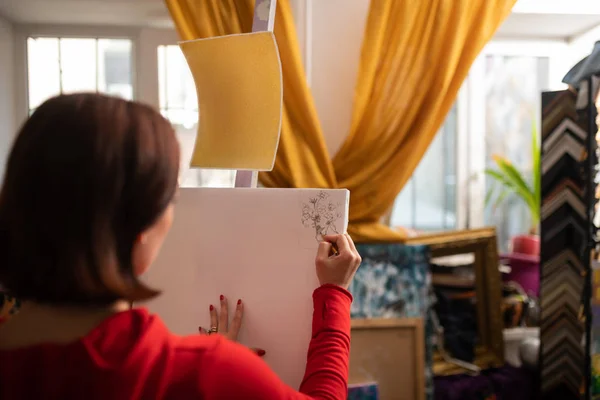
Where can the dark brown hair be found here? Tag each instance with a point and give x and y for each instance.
(86, 175)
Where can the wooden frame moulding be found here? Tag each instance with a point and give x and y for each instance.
(390, 352)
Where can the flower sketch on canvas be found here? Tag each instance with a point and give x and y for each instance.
(321, 214)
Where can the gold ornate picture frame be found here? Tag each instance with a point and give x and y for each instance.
(488, 287)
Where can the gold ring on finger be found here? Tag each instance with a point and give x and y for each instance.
(213, 329)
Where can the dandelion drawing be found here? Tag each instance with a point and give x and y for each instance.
(321, 215)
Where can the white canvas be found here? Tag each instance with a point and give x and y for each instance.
(255, 244)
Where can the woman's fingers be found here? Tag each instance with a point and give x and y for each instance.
(224, 316)
(236, 321)
(259, 352)
(214, 319)
(350, 242)
(341, 241)
(324, 251)
(226, 328)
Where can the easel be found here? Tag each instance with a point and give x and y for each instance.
(261, 22)
(238, 79)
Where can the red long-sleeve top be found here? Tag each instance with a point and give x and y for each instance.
(132, 355)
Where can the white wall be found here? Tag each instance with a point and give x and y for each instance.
(7, 110)
(583, 45)
(330, 38)
(337, 32)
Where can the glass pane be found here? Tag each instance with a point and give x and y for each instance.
(216, 178)
(162, 81)
(512, 86)
(450, 178)
(78, 65)
(187, 118)
(195, 177)
(187, 138)
(114, 67)
(43, 78)
(430, 187)
(176, 85)
(428, 201)
(403, 211)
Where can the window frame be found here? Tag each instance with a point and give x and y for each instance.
(144, 66)
(97, 39)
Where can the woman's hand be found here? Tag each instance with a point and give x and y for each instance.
(219, 322)
(337, 265)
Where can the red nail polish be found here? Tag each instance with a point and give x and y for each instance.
(239, 302)
(211, 307)
(222, 297)
(261, 353)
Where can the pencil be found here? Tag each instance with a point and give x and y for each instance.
(334, 250)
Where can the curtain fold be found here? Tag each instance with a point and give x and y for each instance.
(302, 158)
(413, 61)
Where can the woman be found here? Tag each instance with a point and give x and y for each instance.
(86, 203)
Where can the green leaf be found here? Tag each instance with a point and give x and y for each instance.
(517, 183)
(502, 196)
(511, 180)
(514, 176)
(489, 194)
(498, 176)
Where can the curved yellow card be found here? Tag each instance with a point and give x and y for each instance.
(240, 96)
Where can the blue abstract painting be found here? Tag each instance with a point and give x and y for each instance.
(394, 281)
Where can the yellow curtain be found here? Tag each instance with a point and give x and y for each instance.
(413, 61)
(302, 157)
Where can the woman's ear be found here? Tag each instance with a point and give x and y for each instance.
(142, 238)
(139, 254)
(148, 243)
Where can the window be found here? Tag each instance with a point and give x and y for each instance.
(65, 65)
(513, 86)
(428, 200)
(179, 103)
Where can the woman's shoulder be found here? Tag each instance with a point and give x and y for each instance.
(136, 332)
(150, 328)
(213, 366)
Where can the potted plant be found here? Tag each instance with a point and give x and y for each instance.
(509, 181)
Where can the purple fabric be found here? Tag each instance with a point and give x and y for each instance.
(506, 383)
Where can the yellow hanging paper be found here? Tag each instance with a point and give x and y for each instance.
(238, 81)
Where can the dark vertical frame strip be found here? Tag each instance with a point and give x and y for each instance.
(564, 274)
(592, 161)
